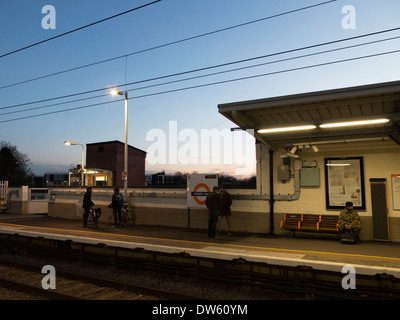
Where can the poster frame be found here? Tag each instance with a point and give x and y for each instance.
(339, 160)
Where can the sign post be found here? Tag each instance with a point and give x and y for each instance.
(198, 187)
(124, 176)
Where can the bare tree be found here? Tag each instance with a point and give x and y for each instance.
(14, 165)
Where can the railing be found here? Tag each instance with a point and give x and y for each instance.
(3, 194)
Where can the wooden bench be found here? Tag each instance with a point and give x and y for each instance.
(310, 222)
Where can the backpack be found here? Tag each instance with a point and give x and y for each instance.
(119, 200)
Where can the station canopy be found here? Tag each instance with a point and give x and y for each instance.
(349, 114)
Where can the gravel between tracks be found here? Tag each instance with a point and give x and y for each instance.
(7, 294)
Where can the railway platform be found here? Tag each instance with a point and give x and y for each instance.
(368, 259)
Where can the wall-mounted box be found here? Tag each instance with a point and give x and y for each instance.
(309, 177)
(283, 173)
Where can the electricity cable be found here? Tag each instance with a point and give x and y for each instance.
(207, 75)
(206, 68)
(78, 29)
(208, 84)
(163, 45)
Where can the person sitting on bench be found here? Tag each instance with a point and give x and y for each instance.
(349, 220)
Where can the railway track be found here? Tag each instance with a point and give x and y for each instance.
(27, 279)
(195, 275)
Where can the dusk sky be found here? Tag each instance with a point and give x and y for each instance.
(280, 26)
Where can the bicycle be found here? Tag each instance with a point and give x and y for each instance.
(94, 215)
(128, 216)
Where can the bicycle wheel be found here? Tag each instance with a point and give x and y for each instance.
(125, 218)
(92, 219)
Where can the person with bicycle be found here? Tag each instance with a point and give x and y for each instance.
(117, 202)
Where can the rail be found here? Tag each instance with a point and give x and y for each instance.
(70, 286)
(300, 279)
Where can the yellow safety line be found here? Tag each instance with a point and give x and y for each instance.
(210, 243)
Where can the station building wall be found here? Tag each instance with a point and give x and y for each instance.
(167, 207)
(381, 160)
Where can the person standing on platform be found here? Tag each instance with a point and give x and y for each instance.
(87, 204)
(117, 202)
(212, 203)
(225, 206)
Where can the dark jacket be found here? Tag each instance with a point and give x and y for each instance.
(114, 201)
(87, 201)
(212, 201)
(225, 203)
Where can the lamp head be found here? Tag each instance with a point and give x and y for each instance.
(70, 143)
(115, 92)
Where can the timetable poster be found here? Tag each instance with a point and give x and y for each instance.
(344, 182)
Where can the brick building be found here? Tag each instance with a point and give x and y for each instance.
(109, 155)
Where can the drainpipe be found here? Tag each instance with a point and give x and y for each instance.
(271, 191)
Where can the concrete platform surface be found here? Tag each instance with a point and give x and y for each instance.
(322, 254)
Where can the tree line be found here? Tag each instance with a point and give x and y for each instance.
(14, 168)
(14, 165)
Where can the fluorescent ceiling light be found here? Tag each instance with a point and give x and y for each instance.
(353, 123)
(285, 129)
(338, 164)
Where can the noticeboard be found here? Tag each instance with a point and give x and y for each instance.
(198, 187)
(396, 191)
(344, 181)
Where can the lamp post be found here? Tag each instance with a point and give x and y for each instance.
(116, 92)
(70, 143)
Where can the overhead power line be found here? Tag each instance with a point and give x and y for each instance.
(212, 67)
(78, 29)
(209, 84)
(206, 75)
(166, 44)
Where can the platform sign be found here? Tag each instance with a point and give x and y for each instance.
(198, 187)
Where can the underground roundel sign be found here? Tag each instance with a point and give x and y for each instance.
(198, 187)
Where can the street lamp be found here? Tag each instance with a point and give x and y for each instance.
(70, 143)
(116, 92)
